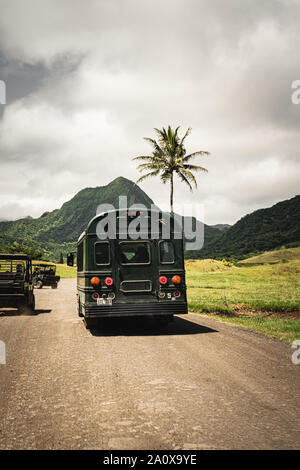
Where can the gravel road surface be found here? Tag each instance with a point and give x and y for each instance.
(197, 384)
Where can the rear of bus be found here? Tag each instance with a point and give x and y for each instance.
(117, 277)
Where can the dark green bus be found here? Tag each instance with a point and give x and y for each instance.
(118, 276)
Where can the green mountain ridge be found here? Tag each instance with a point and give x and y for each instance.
(262, 230)
(57, 231)
(66, 224)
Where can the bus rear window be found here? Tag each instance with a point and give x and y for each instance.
(166, 252)
(102, 253)
(134, 253)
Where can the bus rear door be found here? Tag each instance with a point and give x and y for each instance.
(137, 268)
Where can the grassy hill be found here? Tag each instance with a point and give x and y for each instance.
(264, 229)
(262, 293)
(273, 257)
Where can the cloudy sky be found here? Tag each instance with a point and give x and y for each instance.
(86, 81)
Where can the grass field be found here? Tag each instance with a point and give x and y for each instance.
(262, 293)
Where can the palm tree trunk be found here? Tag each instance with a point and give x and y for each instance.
(171, 194)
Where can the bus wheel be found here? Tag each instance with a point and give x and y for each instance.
(32, 306)
(54, 286)
(23, 309)
(39, 285)
(27, 309)
(79, 309)
(90, 323)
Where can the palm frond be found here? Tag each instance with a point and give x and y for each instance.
(154, 158)
(200, 153)
(148, 175)
(143, 157)
(162, 134)
(188, 174)
(188, 131)
(194, 167)
(150, 166)
(185, 180)
(165, 176)
(155, 144)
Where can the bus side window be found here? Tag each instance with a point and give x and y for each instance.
(166, 252)
(80, 257)
(102, 253)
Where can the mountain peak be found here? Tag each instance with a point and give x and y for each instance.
(121, 180)
(65, 224)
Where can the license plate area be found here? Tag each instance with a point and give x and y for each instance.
(101, 301)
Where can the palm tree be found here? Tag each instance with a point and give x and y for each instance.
(169, 157)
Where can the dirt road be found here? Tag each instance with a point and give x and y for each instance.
(198, 384)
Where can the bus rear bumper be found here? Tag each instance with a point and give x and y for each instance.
(135, 310)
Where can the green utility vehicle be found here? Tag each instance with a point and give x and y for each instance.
(45, 275)
(16, 289)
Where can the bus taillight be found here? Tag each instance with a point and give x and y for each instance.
(95, 281)
(95, 295)
(163, 280)
(176, 279)
(109, 281)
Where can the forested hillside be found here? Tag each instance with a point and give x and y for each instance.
(57, 231)
(260, 231)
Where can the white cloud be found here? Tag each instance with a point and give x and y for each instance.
(114, 70)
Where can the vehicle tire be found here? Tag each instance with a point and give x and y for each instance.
(54, 286)
(27, 309)
(32, 306)
(79, 309)
(23, 309)
(39, 284)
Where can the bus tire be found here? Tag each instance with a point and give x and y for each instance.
(23, 309)
(54, 286)
(32, 306)
(27, 309)
(79, 309)
(39, 285)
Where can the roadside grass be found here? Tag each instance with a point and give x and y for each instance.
(263, 297)
(62, 270)
(284, 329)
